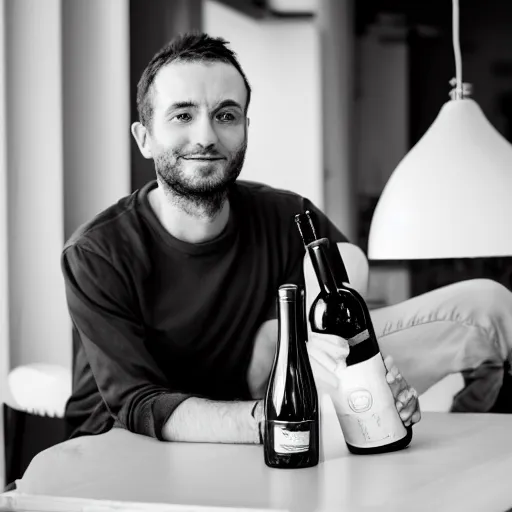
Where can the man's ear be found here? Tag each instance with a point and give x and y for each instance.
(141, 135)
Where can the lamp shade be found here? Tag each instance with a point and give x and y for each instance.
(451, 195)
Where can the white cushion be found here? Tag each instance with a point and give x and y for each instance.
(439, 397)
(40, 388)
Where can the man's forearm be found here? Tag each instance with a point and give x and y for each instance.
(262, 358)
(197, 420)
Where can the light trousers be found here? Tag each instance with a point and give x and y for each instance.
(463, 327)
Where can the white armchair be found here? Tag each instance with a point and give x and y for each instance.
(39, 388)
(33, 409)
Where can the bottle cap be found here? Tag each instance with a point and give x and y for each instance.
(288, 292)
(306, 227)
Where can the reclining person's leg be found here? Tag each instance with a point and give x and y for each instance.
(465, 326)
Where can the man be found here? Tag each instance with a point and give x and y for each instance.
(172, 290)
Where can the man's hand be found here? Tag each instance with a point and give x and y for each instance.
(407, 403)
(327, 354)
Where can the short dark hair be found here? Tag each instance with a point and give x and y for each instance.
(187, 47)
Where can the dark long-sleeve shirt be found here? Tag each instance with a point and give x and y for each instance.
(161, 320)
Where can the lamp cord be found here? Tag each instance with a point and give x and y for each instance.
(456, 50)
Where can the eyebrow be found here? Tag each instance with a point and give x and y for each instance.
(182, 104)
(190, 104)
(228, 103)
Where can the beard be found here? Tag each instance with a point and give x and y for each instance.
(205, 192)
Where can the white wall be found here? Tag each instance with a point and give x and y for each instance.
(4, 285)
(281, 61)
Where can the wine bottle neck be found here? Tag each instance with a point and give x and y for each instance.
(306, 228)
(288, 330)
(322, 268)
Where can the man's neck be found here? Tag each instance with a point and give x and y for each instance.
(189, 224)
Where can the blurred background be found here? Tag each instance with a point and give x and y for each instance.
(342, 89)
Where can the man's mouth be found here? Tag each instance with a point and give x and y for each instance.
(203, 158)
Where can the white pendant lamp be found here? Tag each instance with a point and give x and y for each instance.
(451, 195)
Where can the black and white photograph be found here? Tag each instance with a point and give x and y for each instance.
(255, 255)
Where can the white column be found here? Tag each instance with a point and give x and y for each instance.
(96, 85)
(67, 67)
(335, 26)
(40, 325)
(4, 285)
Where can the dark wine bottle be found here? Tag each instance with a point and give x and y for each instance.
(291, 438)
(364, 403)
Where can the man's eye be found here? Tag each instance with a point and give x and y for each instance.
(183, 117)
(226, 117)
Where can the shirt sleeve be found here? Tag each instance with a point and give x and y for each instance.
(105, 315)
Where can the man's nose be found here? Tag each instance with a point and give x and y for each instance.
(204, 133)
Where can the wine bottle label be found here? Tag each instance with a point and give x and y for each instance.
(358, 338)
(365, 405)
(288, 441)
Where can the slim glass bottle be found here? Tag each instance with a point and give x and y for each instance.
(291, 437)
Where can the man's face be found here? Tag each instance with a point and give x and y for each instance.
(199, 129)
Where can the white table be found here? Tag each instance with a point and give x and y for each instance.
(459, 462)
